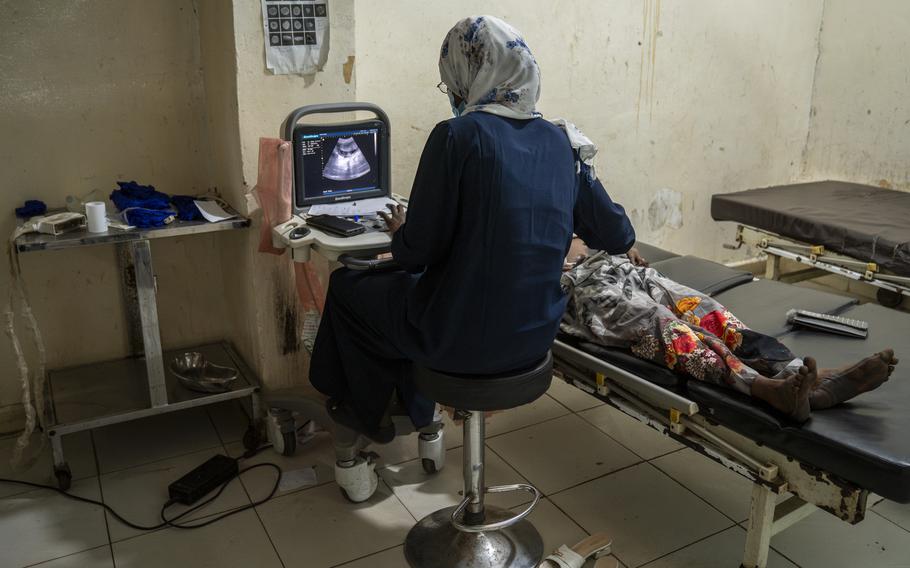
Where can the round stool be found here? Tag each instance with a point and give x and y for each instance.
(471, 534)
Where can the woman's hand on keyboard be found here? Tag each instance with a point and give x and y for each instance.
(395, 219)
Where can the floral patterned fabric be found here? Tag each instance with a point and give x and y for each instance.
(486, 62)
(617, 304)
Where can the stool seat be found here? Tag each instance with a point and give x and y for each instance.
(472, 535)
(484, 393)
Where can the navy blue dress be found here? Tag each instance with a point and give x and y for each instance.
(492, 211)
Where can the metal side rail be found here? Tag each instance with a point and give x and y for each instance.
(772, 473)
(820, 262)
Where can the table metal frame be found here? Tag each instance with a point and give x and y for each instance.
(892, 288)
(140, 293)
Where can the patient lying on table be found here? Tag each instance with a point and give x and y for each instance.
(617, 301)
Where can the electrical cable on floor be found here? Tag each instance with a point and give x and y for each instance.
(171, 522)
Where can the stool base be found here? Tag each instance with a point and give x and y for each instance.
(435, 543)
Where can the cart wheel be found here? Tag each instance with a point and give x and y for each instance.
(64, 477)
(429, 465)
(290, 443)
(888, 298)
(252, 438)
(346, 496)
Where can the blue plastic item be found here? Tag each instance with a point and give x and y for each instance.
(131, 194)
(186, 208)
(31, 208)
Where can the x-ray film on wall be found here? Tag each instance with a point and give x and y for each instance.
(296, 35)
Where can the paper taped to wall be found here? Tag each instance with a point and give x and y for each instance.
(296, 35)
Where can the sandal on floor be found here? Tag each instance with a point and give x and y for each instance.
(594, 546)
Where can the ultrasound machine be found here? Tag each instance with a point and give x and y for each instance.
(341, 179)
(344, 170)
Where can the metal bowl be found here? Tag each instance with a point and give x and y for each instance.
(197, 374)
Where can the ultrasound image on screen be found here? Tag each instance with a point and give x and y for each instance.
(347, 162)
(340, 163)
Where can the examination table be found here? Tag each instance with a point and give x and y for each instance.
(831, 462)
(855, 231)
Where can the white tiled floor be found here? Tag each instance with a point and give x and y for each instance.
(40, 525)
(723, 550)
(422, 494)
(313, 528)
(79, 452)
(561, 453)
(647, 513)
(646, 442)
(728, 492)
(135, 493)
(664, 506)
(134, 443)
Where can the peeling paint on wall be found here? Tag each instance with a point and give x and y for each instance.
(638, 217)
(665, 210)
(649, 33)
(347, 69)
(286, 316)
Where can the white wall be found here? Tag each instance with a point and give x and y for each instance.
(861, 105)
(265, 318)
(685, 99)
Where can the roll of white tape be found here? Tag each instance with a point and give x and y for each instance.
(96, 216)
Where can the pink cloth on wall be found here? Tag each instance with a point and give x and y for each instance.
(273, 192)
(273, 189)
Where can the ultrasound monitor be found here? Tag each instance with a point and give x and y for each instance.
(340, 162)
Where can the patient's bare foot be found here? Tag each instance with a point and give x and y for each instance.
(839, 385)
(790, 395)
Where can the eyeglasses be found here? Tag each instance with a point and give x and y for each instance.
(443, 88)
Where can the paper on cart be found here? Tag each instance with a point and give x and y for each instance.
(212, 211)
(352, 208)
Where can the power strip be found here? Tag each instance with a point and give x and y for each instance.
(205, 478)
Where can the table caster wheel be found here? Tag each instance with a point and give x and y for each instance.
(429, 466)
(432, 452)
(252, 438)
(64, 477)
(357, 479)
(888, 298)
(347, 497)
(282, 433)
(289, 443)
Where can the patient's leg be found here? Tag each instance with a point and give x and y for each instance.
(839, 385)
(789, 395)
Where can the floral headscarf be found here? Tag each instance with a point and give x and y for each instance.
(486, 62)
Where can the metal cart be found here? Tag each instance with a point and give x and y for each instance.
(98, 394)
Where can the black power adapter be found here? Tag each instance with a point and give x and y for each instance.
(205, 478)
